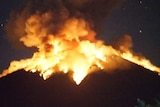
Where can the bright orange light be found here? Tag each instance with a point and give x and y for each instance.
(73, 49)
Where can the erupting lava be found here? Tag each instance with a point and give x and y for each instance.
(73, 48)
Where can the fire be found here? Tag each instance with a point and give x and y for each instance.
(73, 49)
(142, 61)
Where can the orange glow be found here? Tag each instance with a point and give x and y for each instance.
(140, 61)
(73, 49)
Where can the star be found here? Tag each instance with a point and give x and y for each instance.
(2, 25)
(6, 20)
(140, 31)
(140, 2)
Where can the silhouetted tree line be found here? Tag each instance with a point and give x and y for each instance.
(141, 103)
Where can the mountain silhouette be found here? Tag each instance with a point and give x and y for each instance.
(100, 89)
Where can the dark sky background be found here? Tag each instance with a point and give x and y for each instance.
(138, 18)
(141, 20)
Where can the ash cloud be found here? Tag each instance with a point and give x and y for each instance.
(123, 43)
(58, 12)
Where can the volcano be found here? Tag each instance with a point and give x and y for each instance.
(99, 89)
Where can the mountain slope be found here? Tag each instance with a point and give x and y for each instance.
(100, 89)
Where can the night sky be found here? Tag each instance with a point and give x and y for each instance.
(138, 18)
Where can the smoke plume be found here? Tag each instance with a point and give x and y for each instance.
(50, 15)
(64, 33)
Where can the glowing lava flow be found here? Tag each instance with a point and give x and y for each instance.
(142, 61)
(73, 49)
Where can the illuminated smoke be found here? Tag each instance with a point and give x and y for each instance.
(58, 12)
(65, 37)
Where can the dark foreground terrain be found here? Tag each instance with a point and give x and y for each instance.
(119, 89)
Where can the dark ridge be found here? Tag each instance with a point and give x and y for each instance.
(100, 89)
